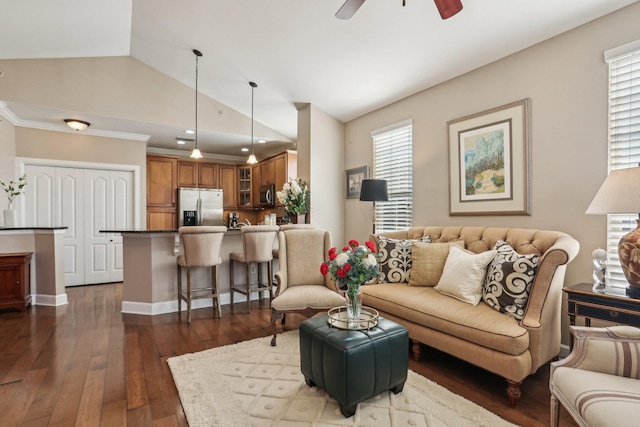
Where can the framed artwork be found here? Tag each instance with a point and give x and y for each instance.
(489, 155)
(354, 181)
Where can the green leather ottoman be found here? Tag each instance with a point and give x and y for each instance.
(353, 366)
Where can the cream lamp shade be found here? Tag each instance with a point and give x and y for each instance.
(620, 194)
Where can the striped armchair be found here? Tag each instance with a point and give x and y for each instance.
(599, 382)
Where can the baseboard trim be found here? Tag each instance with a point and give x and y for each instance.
(152, 309)
(49, 300)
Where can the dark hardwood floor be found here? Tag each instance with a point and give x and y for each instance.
(86, 364)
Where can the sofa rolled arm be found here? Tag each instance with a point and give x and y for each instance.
(613, 350)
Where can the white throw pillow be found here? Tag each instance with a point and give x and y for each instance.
(463, 274)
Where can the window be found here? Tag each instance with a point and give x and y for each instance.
(393, 161)
(624, 140)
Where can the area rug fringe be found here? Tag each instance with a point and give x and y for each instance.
(243, 384)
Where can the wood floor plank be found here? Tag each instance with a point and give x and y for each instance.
(88, 364)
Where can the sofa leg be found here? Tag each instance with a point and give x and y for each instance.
(513, 392)
(415, 348)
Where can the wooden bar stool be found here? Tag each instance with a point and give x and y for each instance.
(257, 242)
(201, 246)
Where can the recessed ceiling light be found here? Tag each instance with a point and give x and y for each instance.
(189, 131)
(180, 142)
(261, 141)
(245, 149)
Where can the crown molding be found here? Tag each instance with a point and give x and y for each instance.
(18, 122)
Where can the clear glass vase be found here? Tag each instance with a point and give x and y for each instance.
(354, 306)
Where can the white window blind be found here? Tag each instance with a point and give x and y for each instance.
(393, 161)
(624, 140)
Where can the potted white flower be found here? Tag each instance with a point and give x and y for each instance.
(294, 196)
(13, 190)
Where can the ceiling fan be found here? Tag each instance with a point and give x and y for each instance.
(447, 8)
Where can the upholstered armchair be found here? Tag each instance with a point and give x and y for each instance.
(301, 286)
(599, 382)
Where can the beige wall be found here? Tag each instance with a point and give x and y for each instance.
(320, 163)
(81, 148)
(566, 79)
(7, 159)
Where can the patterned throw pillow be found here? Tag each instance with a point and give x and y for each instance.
(395, 258)
(509, 279)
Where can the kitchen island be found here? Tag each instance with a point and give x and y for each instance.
(150, 282)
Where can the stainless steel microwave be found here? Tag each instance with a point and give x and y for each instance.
(268, 195)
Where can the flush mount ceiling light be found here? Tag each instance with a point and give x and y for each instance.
(196, 154)
(77, 125)
(252, 158)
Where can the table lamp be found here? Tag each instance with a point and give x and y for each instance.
(620, 194)
(374, 190)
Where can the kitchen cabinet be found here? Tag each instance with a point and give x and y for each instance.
(268, 171)
(286, 167)
(161, 218)
(15, 280)
(244, 186)
(196, 174)
(228, 183)
(256, 181)
(208, 175)
(187, 173)
(161, 181)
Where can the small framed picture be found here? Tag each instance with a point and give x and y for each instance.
(355, 177)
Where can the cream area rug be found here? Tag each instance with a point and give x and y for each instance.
(254, 384)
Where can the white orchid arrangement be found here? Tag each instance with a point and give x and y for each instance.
(14, 188)
(294, 196)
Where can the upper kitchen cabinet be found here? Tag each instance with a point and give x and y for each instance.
(268, 171)
(208, 174)
(229, 185)
(244, 187)
(256, 181)
(187, 173)
(286, 166)
(161, 181)
(196, 174)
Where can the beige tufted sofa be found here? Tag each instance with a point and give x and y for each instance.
(479, 334)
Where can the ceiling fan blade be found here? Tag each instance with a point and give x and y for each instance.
(448, 8)
(349, 8)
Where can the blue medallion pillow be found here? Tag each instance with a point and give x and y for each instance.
(509, 279)
(395, 258)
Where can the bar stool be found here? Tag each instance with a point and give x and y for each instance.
(201, 246)
(257, 243)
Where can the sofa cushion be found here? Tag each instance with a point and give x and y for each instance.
(427, 262)
(509, 279)
(463, 274)
(424, 305)
(395, 258)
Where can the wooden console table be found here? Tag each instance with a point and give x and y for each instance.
(613, 306)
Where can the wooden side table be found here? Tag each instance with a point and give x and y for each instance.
(15, 281)
(613, 306)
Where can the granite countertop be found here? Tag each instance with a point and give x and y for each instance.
(33, 228)
(145, 231)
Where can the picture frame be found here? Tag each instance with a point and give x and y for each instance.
(354, 181)
(489, 161)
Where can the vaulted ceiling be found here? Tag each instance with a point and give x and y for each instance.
(297, 51)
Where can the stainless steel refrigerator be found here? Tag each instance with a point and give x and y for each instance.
(200, 206)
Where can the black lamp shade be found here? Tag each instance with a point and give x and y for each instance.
(374, 190)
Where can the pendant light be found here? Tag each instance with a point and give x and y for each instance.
(196, 154)
(252, 158)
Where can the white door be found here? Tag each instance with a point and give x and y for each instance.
(55, 200)
(85, 201)
(108, 206)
